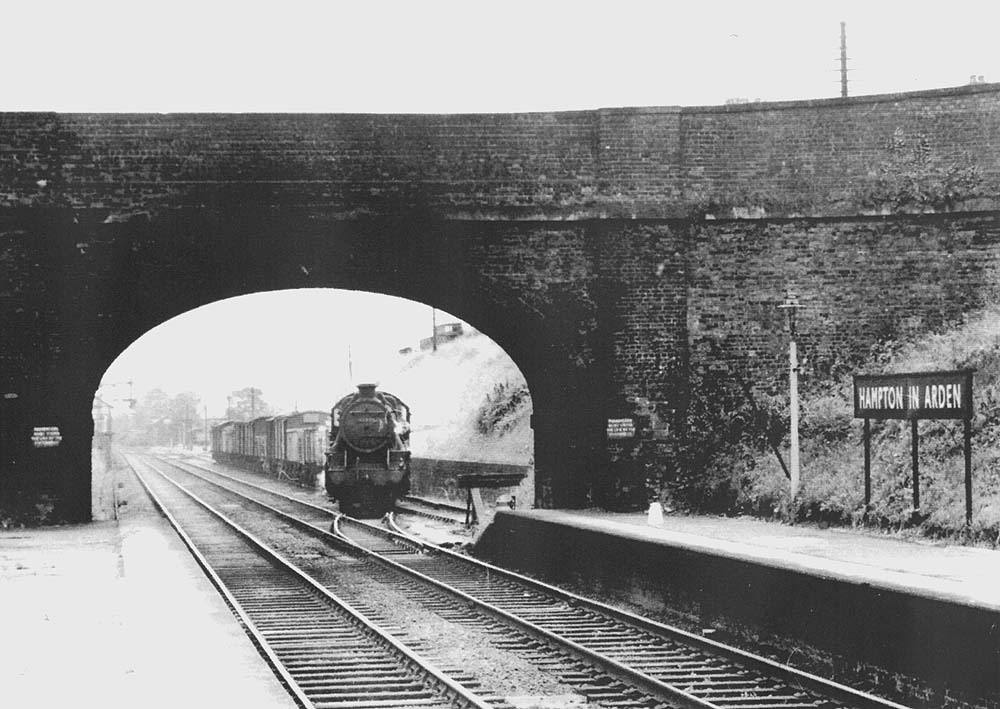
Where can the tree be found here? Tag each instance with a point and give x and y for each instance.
(184, 415)
(246, 404)
(148, 423)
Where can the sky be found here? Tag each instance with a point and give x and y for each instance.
(217, 349)
(437, 56)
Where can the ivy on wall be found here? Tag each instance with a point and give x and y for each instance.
(913, 177)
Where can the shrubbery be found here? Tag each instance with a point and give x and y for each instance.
(723, 463)
(721, 439)
(500, 411)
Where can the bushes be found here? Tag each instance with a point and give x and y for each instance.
(826, 417)
(722, 435)
(500, 411)
(914, 177)
(723, 464)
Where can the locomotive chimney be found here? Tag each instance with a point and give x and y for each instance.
(366, 390)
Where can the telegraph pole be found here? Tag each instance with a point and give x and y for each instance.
(434, 330)
(843, 60)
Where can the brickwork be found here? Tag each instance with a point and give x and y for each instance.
(860, 282)
(814, 157)
(353, 165)
(640, 162)
(647, 275)
(776, 159)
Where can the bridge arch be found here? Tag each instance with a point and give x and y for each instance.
(304, 349)
(155, 270)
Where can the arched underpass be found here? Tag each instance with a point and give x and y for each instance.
(301, 350)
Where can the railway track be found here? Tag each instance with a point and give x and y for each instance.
(431, 509)
(327, 654)
(618, 657)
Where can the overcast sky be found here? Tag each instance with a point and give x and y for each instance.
(465, 56)
(293, 345)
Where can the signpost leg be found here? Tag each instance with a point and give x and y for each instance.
(916, 470)
(868, 465)
(968, 472)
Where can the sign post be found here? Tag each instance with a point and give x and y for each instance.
(968, 471)
(915, 396)
(868, 464)
(790, 305)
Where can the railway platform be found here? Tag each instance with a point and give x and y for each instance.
(115, 614)
(915, 609)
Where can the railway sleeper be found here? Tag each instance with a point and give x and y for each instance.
(325, 677)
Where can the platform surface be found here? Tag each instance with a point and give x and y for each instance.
(117, 614)
(965, 575)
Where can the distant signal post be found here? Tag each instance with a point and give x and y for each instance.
(915, 396)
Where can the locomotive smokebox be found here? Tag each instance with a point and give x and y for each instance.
(368, 463)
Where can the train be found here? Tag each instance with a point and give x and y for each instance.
(360, 449)
(368, 463)
(290, 447)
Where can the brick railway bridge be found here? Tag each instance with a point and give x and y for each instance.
(611, 252)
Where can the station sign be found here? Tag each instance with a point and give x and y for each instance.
(918, 395)
(621, 428)
(46, 436)
(915, 396)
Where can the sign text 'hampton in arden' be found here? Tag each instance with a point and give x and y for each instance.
(918, 395)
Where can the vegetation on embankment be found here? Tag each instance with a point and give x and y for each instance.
(469, 402)
(726, 466)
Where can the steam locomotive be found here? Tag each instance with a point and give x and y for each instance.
(368, 462)
(361, 449)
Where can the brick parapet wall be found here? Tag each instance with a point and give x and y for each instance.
(815, 157)
(770, 159)
(354, 165)
(640, 163)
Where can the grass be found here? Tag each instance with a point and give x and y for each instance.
(832, 485)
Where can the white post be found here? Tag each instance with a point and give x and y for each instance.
(793, 383)
(790, 305)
